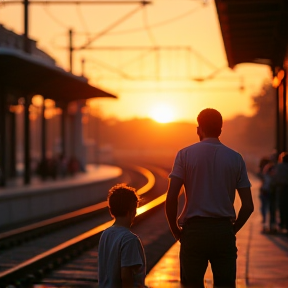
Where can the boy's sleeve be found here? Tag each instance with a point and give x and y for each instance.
(131, 253)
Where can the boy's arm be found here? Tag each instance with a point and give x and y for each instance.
(246, 209)
(127, 276)
(171, 207)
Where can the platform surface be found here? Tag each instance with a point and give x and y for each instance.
(262, 258)
(93, 173)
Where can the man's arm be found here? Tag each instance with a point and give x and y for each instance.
(246, 209)
(174, 188)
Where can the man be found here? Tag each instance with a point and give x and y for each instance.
(206, 228)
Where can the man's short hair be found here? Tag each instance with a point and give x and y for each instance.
(210, 121)
(122, 199)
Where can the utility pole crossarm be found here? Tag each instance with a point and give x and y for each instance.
(41, 2)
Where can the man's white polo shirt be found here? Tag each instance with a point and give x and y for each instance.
(210, 172)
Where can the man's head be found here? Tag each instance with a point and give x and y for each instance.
(210, 123)
(122, 200)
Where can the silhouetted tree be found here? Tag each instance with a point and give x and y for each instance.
(260, 131)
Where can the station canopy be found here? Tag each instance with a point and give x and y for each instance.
(254, 31)
(29, 75)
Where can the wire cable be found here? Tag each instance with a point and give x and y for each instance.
(163, 23)
(147, 27)
(56, 20)
(82, 19)
(113, 25)
(138, 57)
(110, 68)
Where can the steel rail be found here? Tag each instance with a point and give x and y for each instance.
(68, 247)
(16, 234)
(36, 266)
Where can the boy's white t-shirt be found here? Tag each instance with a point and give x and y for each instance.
(119, 247)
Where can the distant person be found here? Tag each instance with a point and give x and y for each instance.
(265, 174)
(121, 258)
(73, 165)
(62, 165)
(206, 228)
(273, 195)
(281, 182)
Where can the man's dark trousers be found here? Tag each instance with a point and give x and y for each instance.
(206, 239)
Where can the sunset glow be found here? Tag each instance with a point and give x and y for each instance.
(138, 74)
(162, 113)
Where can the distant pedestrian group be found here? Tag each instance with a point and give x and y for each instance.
(273, 193)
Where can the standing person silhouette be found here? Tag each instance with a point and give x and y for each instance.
(210, 173)
(121, 257)
(281, 183)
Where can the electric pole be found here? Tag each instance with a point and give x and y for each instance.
(26, 28)
(26, 46)
(71, 51)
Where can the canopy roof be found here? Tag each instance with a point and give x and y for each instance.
(23, 72)
(254, 31)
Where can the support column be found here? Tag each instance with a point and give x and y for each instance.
(12, 144)
(71, 51)
(278, 147)
(63, 129)
(26, 27)
(27, 170)
(281, 129)
(284, 83)
(79, 148)
(2, 138)
(43, 164)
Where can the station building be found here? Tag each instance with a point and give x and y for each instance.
(256, 31)
(41, 108)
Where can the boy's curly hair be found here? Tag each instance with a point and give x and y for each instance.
(122, 199)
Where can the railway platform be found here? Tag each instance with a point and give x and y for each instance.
(262, 258)
(92, 173)
(23, 204)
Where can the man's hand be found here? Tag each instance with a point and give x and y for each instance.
(177, 233)
(171, 206)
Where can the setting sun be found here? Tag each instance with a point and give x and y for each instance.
(162, 113)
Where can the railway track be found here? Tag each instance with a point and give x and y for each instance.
(76, 237)
(135, 176)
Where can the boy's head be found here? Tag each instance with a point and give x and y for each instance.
(122, 199)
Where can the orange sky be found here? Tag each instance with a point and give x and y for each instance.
(142, 79)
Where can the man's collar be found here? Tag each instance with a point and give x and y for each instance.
(211, 140)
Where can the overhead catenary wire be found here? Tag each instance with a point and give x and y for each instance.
(159, 24)
(110, 27)
(55, 19)
(138, 57)
(147, 27)
(110, 68)
(153, 42)
(82, 19)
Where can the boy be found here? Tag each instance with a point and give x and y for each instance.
(121, 259)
